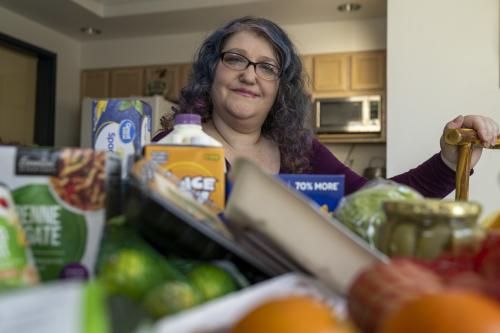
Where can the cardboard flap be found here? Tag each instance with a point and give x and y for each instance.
(314, 240)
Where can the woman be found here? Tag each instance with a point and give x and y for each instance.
(247, 86)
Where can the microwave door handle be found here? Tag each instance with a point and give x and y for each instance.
(318, 122)
(366, 112)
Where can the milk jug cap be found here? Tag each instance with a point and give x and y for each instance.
(187, 118)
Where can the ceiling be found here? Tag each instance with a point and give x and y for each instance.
(136, 18)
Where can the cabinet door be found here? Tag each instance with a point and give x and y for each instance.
(307, 72)
(94, 83)
(126, 82)
(331, 72)
(368, 70)
(185, 72)
(169, 75)
(174, 90)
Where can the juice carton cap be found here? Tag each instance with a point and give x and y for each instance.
(187, 118)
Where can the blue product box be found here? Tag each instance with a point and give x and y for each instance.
(325, 190)
(121, 125)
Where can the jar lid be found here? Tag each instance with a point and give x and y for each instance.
(187, 118)
(435, 207)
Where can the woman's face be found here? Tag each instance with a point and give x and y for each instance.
(241, 98)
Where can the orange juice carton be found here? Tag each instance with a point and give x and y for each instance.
(199, 168)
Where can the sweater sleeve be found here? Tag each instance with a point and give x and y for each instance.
(431, 178)
(324, 162)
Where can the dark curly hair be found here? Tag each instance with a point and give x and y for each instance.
(285, 122)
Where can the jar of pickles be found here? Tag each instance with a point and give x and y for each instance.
(427, 228)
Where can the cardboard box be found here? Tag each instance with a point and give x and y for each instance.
(321, 244)
(199, 168)
(121, 126)
(325, 190)
(62, 197)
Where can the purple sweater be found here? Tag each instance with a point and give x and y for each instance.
(431, 178)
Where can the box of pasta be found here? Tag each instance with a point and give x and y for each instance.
(62, 197)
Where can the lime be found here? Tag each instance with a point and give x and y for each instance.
(131, 272)
(117, 236)
(212, 281)
(171, 297)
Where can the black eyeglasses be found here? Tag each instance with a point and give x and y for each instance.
(264, 70)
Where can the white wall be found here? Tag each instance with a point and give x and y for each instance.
(360, 155)
(443, 61)
(309, 38)
(68, 70)
(342, 36)
(141, 51)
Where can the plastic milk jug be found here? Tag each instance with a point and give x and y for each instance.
(188, 131)
(195, 158)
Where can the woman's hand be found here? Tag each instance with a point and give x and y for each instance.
(487, 130)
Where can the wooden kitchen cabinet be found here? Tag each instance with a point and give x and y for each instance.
(174, 75)
(174, 91)
(348, 73)
(134, 81)
(169, 74)
(95, 83)
(331, 72)
(185, 73)
(368, 70)
(126, 82)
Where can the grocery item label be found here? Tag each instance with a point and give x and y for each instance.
(325, 190)
(37, 162)
(200, 169)
(121, 126)
(56, 235)
(62, 213)
(110, 139)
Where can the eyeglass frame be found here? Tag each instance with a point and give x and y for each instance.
(249, 62)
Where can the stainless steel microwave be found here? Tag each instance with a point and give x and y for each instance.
(355, 114)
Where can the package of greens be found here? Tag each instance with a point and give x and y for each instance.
(17, 268)
(362, 210)
(61, 196)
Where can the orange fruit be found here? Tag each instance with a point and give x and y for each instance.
(292, 314)
(445, 312)
(383, 288)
